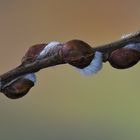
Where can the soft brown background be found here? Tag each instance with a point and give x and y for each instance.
(65, 105)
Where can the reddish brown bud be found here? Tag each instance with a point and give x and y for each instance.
(77, 53)
(18, 88)
(33, 53)
(124, 58)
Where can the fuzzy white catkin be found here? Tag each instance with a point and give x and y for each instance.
(94, 66)
(30, 77)
(126, 35)
(134, 46)
(42, 54)
(47, 48)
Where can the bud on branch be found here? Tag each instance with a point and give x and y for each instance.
(121, 54)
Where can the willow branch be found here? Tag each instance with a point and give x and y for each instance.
(30, 68)
(57, 59)
(132, 38)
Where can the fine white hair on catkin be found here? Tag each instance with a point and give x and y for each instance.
(126, 35)
(47, 48)
(43, 53)
(94, 66)
(134, 46)
(31, 77)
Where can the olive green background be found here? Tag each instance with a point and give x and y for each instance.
(65, 105)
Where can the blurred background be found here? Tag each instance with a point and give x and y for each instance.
(65, 105)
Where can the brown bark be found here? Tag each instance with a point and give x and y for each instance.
(57, 58)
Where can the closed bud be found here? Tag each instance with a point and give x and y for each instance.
(41, 51)
(32, 53)
(124, 58)
(77, 53)
(20, 87)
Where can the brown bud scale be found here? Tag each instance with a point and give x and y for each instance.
(124, 58)
(77, 53)
(18, 88)
(32, 53)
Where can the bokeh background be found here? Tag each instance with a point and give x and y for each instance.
(65, 105)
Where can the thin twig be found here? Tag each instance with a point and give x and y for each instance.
(132, 38)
